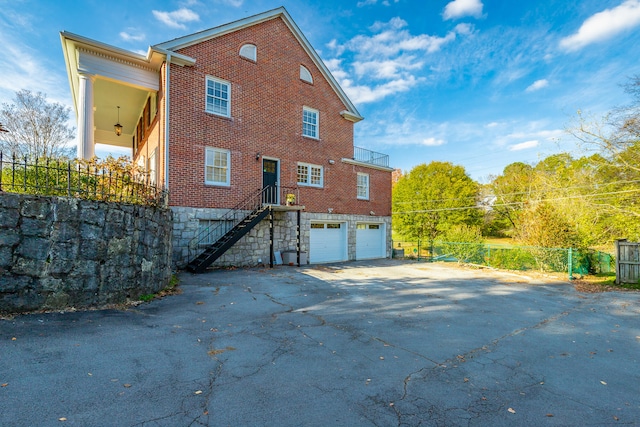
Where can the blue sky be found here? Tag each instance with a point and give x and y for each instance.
(480, 83)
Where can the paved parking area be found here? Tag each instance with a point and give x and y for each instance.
(381, 343)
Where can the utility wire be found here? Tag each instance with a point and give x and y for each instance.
(592, 196)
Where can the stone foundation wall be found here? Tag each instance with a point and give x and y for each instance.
(58, 252)
(253, 249)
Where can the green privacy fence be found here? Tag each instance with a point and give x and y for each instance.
(572, 261)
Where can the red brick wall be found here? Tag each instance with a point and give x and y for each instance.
(267, 97)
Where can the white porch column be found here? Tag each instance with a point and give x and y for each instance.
(86, 144)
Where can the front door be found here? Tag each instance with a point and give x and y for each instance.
(270, 181)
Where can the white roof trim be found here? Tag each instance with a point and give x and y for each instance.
(366, 165)
(281, 12)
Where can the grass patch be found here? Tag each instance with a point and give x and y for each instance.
(171, 289)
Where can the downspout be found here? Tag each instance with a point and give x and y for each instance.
(166, 122)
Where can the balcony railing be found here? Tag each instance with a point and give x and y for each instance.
(371, 157)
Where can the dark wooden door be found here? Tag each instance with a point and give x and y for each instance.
(270, 181)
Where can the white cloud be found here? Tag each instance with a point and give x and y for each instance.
(234, 3)
(464, 29)
(524, 145)
(385, 62)
(387, 69)
(537, 85)
(361, 94)
(388, 60)
(393, 24)
(604, 25)
(177, 18)
(131, 37)
(433, 142)
(461, 8)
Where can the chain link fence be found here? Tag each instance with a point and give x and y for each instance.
(572, 261)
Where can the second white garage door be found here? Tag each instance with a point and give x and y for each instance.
(370, 241)
(327, 242)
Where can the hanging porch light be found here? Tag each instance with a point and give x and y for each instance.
(118, 127)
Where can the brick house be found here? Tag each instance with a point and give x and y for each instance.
(242, 116)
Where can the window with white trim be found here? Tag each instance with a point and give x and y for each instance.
(310, 175)
(305, 74)
(217, 166)
(218, 97)
(363, 186)
(249, 51)
(310, 122)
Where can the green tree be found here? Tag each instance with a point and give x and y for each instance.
(509, 191)
(616, 139)
(35, 127)
(432, 198)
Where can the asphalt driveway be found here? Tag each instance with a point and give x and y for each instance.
(382, 343)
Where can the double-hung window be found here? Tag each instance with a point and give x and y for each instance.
(310, 175)
(310, 118)
(218, 97)
(363, 186)
(217, 166)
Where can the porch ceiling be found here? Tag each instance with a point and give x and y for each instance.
(108, 95)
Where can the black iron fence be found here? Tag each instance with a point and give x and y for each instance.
(73, 178)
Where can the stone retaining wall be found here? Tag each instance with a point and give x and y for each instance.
(58, 252)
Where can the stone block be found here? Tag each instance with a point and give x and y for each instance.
(94, 216)
(30, 267)
(92, 249)
(10, 200)
(35, 248)
(9, 218)
(90, 232)
(35, 227)
(36, 208)
(118, 246)
(114, 216)
(65, 209)
(85, 269)
(6, 258)
(13, 283)
(9, 238)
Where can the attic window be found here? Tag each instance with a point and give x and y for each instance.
(249, 51)
(305, 75)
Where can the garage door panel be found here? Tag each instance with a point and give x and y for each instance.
(370, 241)
(327, 243)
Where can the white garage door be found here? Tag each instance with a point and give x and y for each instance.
(370, 241)
(327, 242)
